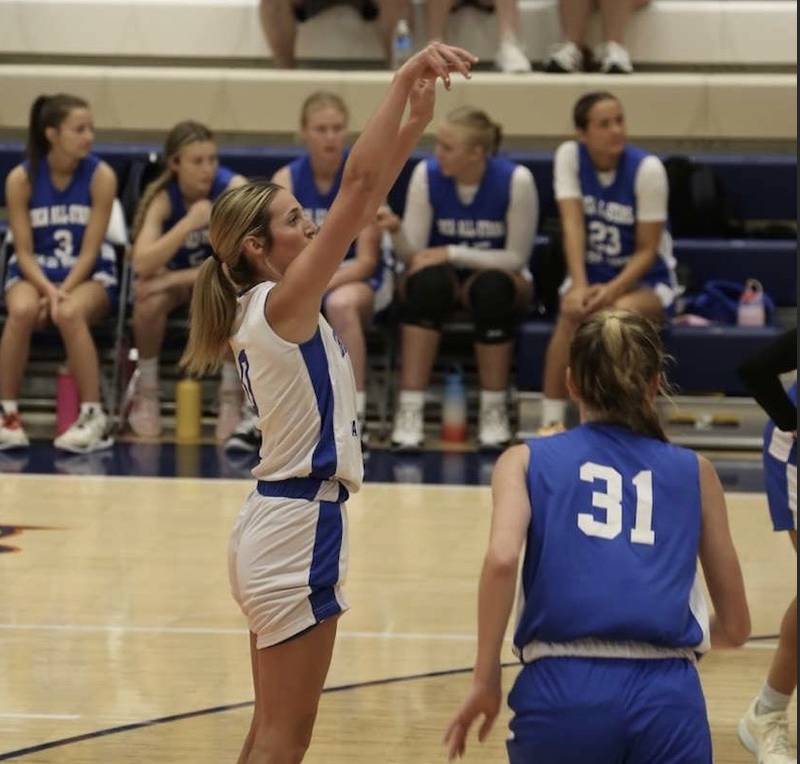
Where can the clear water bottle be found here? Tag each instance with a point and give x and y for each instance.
(454, 408)
(402, 46)
(751, 305)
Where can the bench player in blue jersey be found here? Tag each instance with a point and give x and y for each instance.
(610, 617)
(362, 286)
(467, 234)
(764, 729)
(612, 199)
(62, 272)
(261, 295)
(170, 243)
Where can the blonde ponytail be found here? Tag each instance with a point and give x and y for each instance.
(211, 316)
(237, 213)
(615, 358)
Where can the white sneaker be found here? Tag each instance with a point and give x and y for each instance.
(12, 434)
(564, 58)
(511, 59)
(408, 433)
(614, 59)
(229, 414)
(89, 433)
(494, 430)
(142, 408)
(767, 736)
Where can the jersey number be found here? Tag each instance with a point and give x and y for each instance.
(604, 239)
(610, 500)
(63, 251)
(244, 375)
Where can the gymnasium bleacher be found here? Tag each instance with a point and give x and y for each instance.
(714, 82)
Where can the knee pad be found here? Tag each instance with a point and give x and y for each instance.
(430, 297)
(491, 302)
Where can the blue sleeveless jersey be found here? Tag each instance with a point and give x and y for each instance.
(610, 219)
(315, 204)
(482, 223)
(58, 221)
(195, 247)
(612, 547)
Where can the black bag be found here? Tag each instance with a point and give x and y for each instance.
(698, 206)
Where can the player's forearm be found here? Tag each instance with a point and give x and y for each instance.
(495, 600)
(149, 259)
(634, 271)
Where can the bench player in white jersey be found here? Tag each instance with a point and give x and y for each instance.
(261, 293)
(610, 617)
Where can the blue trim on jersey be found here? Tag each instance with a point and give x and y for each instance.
(581, 583)
(297, 488)
(195, 249)
(324, 573)
(324, 459)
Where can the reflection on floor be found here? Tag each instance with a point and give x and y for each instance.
(382, 466)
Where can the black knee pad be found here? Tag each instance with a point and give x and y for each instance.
(430, 297)
(491, 301)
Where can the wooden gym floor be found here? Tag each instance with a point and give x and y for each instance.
(119, 641)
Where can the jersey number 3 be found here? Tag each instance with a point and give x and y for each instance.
(610, 500)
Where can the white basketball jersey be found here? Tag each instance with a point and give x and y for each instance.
(304, 396)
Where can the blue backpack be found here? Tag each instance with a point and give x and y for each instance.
(718, 301)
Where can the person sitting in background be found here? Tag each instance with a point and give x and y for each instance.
(466, 236)
(62, 272)
(360, 287)
(764, 729)
(170, 242)
(612, 199)
(510, 57)
(279, 19)
(612, 57)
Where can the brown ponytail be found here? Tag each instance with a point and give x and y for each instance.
(47, 111)
(615, 358)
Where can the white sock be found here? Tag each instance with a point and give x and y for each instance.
(9, 407)
(148, 371)
(361, 403)
(490, 398)
(230, 377)
(770, 701)
(553, 411)
(414, 399)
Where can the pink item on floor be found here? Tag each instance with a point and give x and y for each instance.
(68, 401)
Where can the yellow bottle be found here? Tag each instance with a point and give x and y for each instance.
(187, 410)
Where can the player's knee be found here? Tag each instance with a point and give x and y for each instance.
(69, 315)
(430, 297)
(491, 302)
(23, 311)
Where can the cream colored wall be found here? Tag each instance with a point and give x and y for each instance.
(666, 106)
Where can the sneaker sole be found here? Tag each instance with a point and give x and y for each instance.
(13, 446)
(746, 739)
(98, 446)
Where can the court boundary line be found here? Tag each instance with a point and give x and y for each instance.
(118, 729)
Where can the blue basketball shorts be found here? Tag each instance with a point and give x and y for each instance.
(608, 711)
(780, 477)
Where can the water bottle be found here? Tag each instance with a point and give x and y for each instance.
(187, 410)
(454, 408)
(67, 400)
(402, 47)
(751, 305)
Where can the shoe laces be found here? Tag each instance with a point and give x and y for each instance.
(776, 733)
(494, 416)
(409, 418)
